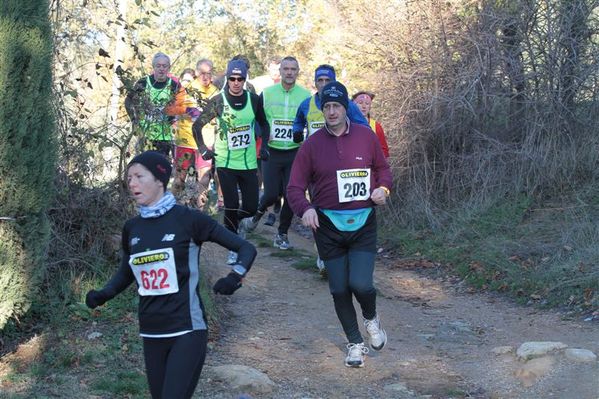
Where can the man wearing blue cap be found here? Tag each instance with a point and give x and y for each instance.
(309, 114)
(237, 111)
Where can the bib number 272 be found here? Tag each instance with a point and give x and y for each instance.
(240, 141)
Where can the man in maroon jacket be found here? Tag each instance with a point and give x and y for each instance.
(344, 167)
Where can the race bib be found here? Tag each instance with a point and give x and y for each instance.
(239, 137)
(281, 130)
(314, 126)
(353, 184)
(155, 272)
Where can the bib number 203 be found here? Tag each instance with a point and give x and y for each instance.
(154, 279)
(355, 189)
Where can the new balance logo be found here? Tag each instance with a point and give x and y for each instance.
(168, 237)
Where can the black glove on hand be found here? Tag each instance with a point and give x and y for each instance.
(95, 298)
(228, 285)
(298, 137)
(264, 154)
(207, 154)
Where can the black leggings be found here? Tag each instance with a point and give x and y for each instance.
(349, 259)
(275, 173)
(229, 180)
(173, 365)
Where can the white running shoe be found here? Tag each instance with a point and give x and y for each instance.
(319, 263)
(247, 224)
(378, 336)
(321, 268)
(232, 258)
(355, 355)
(241, 232)
(282, 241)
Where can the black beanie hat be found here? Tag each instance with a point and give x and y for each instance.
(334, 91)
(156, 163)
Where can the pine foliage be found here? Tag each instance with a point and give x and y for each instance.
(27, 151)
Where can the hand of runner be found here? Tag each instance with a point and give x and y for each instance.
(298, 137)
(228, 285)
(310, 219)
(379, 196)
(264, 154)
(208, 155)
(95, 298)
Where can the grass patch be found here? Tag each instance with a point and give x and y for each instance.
(122, 383)
(305, 263)
(287, 253)
(538, 252)
(259, 241)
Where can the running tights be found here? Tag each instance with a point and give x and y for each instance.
(247, 181)
(173, 365)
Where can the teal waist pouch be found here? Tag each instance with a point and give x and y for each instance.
(348, 219)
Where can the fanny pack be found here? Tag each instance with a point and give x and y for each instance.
(349, 219)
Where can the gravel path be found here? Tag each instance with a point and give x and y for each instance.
(441, 337)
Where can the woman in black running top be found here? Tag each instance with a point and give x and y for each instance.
(161, 249)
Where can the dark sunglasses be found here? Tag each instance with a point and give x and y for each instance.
(234, 79)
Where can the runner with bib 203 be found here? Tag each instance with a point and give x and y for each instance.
(348, 176)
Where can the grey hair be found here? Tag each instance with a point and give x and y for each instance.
(205, 61)
(160, 55)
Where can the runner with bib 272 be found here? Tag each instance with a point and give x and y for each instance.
(236, 111)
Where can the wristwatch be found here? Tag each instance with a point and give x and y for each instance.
(239, 270)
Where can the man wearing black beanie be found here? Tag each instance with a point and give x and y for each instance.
(344, 167)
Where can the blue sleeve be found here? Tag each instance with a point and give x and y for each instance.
(299, 122)
(355, 115)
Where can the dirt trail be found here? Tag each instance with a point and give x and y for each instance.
(282, 322)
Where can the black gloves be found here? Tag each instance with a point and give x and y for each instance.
(95, 298)
(228, 285)
(207, 154)
(264, 154)
(298, 137)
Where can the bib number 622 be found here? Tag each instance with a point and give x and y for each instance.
(154, 279)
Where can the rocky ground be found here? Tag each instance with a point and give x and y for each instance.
(280, 338)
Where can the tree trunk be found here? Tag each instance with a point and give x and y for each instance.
(27, 151)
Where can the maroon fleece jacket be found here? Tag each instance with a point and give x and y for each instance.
(322, 155)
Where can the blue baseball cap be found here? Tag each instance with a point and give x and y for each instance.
(237, 67)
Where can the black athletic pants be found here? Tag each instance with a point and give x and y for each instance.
(173, 365)
(247, 181)
(349, 259)
(275, 173)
